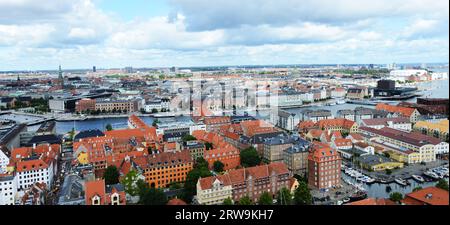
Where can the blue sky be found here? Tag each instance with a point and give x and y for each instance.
(42, 34)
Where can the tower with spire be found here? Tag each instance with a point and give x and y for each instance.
(60, 77)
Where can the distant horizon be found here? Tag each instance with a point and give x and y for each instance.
(237, 66)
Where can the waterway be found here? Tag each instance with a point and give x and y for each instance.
(378, 190)
(433, 89)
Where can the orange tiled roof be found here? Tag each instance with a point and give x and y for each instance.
(428, 196)
(340, 122)
(93, 188)
(373, 201)
(395, 109)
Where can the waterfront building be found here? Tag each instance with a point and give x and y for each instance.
(377, 163)
(85, 105)
(410, 113)
(324, 166)
(316, 115)
(117, 105)
(425, 145)
(438, 130)
(399, 123)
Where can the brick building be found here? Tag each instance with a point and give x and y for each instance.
(324, 166)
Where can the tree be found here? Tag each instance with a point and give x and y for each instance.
(302, 195)
(111, 175)
(152, 196)
(154, 110)
(190, 186)
(442, 184)
(245, 201)
(250, 157)
(208, 146)
(130, 183)
(396, 196)
(228, 201)
(188, 137)
(109, 127)
(388, 171)
(265, 199)
(284, 197)
(155, 122)
(218, 166)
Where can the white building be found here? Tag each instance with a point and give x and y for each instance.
(213, 190)
(4, 161)
(8, 189)
(398, 123)
(36, 170)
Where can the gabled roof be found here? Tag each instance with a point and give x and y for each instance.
(429, 196)
(395, 109)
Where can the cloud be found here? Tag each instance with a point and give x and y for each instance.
(77, 34)
(225, 14)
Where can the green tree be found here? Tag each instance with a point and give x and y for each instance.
(130, 183)
(388, 171)
(111, 175)
(152, 196)
(396, 196)
(250, 157)
(442, 184)
(155, 123)
(284, 197)
(190, 186)
(188, 137)
(228, 201)
(265, 199)
(245, 201)
(154, 110)
(302, 195)
(218, 166)
(208, 146)
(109, 127)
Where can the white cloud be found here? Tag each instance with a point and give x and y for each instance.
(76, 33)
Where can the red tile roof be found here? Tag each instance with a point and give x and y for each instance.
(93, 188)
(373, 201)
(427, 196)
(395, 109)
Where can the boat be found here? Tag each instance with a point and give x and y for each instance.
(345, 200)
(340, 102)
(383, 181)
(359, 195)
(401, 181)
(432, 175)
(418, 178)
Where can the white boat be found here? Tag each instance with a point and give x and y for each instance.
(432, 175)
(401, 181)
(418, 178)
(340, 102)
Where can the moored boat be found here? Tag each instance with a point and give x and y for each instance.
(401, 181)
(418, 178)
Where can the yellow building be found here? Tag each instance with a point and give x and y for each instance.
(437, 130)
(378, 163)
(83, 158)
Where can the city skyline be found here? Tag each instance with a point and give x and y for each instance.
(197, 33)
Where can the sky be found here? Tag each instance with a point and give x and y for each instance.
(38, 35)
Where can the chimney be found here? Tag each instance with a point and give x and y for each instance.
(34, 146)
